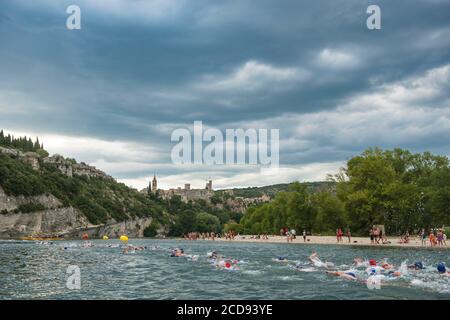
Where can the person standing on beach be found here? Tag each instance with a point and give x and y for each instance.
(371, 233)
(339, 235)
(423, 237)
(440, 238)
(304, 235)
(349, 236)
(432, 239)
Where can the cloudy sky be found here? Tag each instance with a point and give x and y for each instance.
(111, 93)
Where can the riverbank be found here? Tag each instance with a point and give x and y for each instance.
(331, 240)
(310, 240)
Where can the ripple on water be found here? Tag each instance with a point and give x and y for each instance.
(38, 271)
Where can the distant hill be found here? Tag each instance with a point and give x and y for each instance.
(54, 195)
(100, 198)
(272, 190)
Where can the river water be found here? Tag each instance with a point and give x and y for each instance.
(32, 270)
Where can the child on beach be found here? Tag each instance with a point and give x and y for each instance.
(440, 238)
(432, 238)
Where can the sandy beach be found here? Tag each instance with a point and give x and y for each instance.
(355, 241)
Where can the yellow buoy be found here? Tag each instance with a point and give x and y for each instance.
(123, 238)
(105, 238)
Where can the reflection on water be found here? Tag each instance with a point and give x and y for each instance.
(38, 271)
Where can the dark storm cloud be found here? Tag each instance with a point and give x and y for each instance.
(139, 68)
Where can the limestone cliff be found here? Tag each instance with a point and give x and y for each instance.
(132, 228)
(59, 221)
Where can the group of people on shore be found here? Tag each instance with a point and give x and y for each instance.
(292, 234)
(262, 236)
(377, 236)
(340, 234)
(436, 237)
(199, 235)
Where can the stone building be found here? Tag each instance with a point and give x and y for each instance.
(187, 193)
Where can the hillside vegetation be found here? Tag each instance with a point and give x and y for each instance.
(98, 198)
(398, 189)
(272, 190)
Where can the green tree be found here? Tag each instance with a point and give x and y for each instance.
(207, 222)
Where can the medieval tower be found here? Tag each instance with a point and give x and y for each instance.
(154, 184)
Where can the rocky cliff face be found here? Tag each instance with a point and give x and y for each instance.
(57, 220)
(65, 166)
(53, 220)
(69, 168)
(11, 203)
(132, 228)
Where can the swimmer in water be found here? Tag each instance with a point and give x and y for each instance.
(442, 270)
(313, 257)
(177, 253)
(128, 249)
(212, 255)
(386, 266)
(394, 274)
(360, 262)
(343, 274)
(315, 260)
(281, 259)
(373, 268)
(418, 265)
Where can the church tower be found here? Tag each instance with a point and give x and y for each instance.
(154, 184)
(209, 185)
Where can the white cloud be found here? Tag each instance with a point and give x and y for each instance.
(254, 75)
(114, 157)
(415, 111)
(337, 59)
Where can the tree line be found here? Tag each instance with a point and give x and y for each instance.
(396, 188)
(22, 143)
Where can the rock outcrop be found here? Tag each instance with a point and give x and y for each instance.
(56, 220)
(9, 204)
(48, 222)
(132, 228)
(32, 158)
(69, 167)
